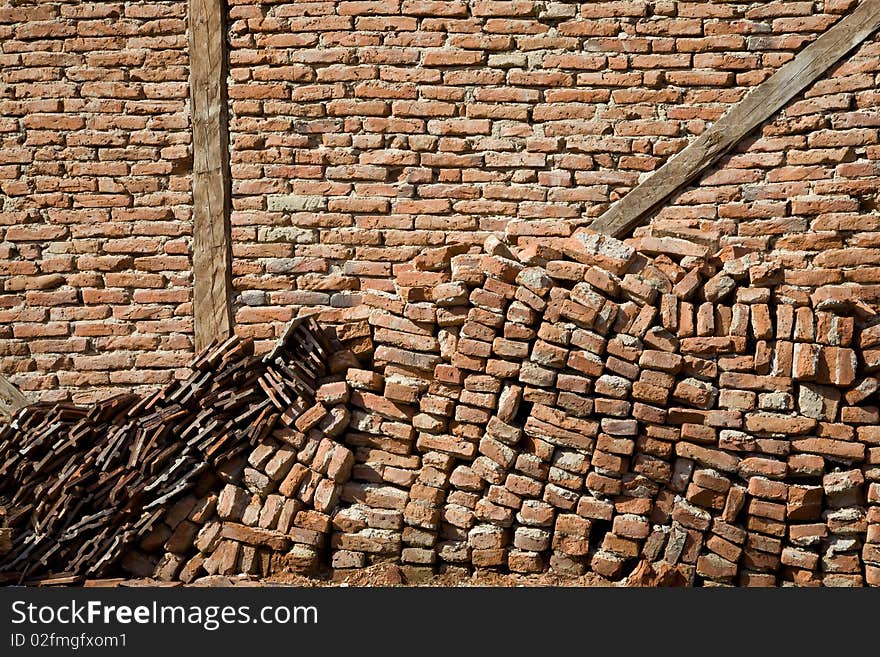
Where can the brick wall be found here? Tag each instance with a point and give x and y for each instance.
(94, 195)
(363, 133)
(804, 188)
(703, 391)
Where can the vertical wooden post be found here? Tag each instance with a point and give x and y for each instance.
(212, 257)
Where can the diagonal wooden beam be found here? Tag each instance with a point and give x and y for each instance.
(212, 257)
(11, 398)
(760, 104)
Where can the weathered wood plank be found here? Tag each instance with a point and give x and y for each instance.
(11, 398)
(759, 105)
(212, 260)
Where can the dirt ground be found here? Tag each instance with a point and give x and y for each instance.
(381, 575)
(644, 574)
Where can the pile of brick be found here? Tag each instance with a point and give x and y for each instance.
(135, 480)
(611, 406)
(563, 400)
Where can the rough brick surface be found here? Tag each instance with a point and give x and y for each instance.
(518, 393)
(95, 197)
(363, 133)
(562, 424)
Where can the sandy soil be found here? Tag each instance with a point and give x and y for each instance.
(382, 574)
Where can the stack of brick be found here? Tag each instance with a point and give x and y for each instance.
(479, 370)
(871, 549)
(277, 500)
(568, 401)
(497, 336)
(679, 397)
(382, 520)
(275, 507)
(432, 297)
(238, 464)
